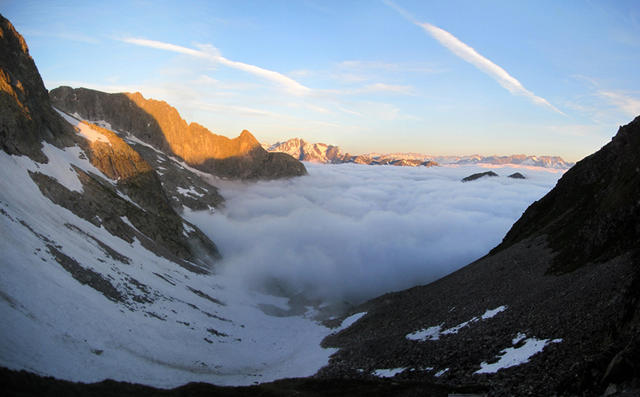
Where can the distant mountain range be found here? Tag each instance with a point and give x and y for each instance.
(331, 154)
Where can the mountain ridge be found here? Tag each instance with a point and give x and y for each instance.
(159, 124)
(331, 154)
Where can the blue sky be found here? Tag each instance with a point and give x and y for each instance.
(454, 77)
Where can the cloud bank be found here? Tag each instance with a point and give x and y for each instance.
(354, 232)
(469, 54)
(212, 54)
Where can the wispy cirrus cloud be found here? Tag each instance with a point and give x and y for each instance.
(625, 103)
(363, 66)
(211, 53)
(469, 54)
(70, 36)
(388, 88)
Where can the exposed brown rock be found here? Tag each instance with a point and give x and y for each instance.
(160, 125)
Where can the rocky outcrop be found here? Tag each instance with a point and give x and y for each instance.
(330, 154)
(479, 175)
(312, 152)
(159, 124)
(564, 286)
(517, 175)
(133, 205)
(26, 116)
(183, 187)
(593, 213)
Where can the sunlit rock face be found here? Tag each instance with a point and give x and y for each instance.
(306, 151)
(160, 125)
(26, 116)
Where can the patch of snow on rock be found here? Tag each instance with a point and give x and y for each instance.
(85, 129)
(513, 356)
(349, 321)
(454, 330)
(490, 313)
(441, 372)
(388, 372)
(431, 333)
(518, 338)
(189, 192)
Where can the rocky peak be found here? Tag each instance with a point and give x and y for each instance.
(479, 175)
(304, 151)
(159, 124)
(593, 213)
(26, 117)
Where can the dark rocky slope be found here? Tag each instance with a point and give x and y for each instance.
(593, 213)
(159, 124)
(26, 116)
(568, 270)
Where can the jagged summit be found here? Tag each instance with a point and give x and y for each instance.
(330, 154)
(304, 151)
(159, 124)
(26, 116)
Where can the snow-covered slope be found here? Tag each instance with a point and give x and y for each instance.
(81, 303)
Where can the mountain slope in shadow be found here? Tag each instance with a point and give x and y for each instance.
(554, 309)
(160, 125)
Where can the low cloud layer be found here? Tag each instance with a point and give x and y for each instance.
(354, 232)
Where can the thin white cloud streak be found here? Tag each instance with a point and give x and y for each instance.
(78, 37)
(360, 66)
(470, 55)
(627, 104)
(370, 88)
(210, 53)
(354, 232)
(389, 88)
(234, 109)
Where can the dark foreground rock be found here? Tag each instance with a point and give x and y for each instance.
(22, 383)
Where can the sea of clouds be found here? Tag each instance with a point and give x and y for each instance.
(352, 232)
